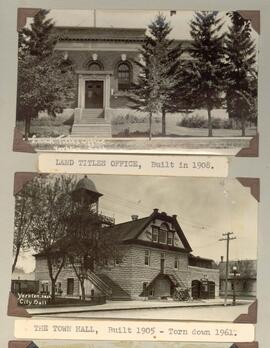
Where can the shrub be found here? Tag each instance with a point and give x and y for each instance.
(196, 121)
(131, 119)
(181, 294)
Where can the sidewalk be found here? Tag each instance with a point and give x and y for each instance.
(132, 305)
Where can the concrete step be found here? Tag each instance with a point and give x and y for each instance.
(103, 130)
(86, 120)
(98, 113)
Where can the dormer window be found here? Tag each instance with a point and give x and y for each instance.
(162, 237)
(170, 238)
(155, 234)
(162, 234)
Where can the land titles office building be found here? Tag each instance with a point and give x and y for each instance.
(103, 59)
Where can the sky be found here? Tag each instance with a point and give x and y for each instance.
(205, 208)
(129, 19)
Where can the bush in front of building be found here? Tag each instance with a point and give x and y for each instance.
(181, 294)
(131, 119)
(196, 121)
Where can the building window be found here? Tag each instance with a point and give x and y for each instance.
(45, 287)
(94, 66)
(162, 237)
(70, 286)
(66, 65)
(147, 257)
(154, 234)
(170, 238)
(176, 263)
(58, 288)
(124, 76)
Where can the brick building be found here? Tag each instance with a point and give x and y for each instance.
(156, 261)
(103, 60)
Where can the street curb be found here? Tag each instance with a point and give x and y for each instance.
(134, 308)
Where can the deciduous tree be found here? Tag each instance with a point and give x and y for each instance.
(50, 225)
(89, 244)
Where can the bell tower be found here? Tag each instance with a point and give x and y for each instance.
(86, 194)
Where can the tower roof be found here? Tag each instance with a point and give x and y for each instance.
(86, 187)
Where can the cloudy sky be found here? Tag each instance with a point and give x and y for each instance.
(128, 19)
(205, 208)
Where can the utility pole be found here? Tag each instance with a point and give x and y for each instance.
(227, 237)
(95, 18)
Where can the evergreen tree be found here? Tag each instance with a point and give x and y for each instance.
(155, 90)
(204, 74)
(38, 40)
(43, 84)
(241, 74)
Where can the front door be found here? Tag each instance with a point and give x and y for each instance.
(93, 94)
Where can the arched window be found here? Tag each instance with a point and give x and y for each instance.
(124, 76)
(94, 66)
(66, 65)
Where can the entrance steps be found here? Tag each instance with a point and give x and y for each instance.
(92, 116)
(92, 124)
(92, 130)
(118, 294)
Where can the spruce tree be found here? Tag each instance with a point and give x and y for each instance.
(241, 74)
(43, 84)
(38, 40)
(155, 90)
(204, 74)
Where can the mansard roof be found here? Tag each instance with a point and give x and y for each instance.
(100, 34)
(128, 232)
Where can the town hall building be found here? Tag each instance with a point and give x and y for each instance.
(156, 261)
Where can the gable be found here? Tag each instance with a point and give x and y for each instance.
(147, 236)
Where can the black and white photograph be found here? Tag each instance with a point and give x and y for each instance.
(135, 247)
(148, 81)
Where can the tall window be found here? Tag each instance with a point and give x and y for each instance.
(124, 76)
(170, 238)
(147, 257)
(176, 263)
(162, 236)
(154, 234)
(70, 286)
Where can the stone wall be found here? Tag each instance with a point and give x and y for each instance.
(132, 272)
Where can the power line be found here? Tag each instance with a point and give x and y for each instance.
(227, 237)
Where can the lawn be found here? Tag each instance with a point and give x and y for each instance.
(129, 124)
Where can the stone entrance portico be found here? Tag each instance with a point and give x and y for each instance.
(91, 116)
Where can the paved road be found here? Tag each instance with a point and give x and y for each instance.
(219, 313)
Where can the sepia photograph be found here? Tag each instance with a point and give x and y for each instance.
(135, 247)
(137, 80)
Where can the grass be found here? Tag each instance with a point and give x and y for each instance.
(45, 127)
